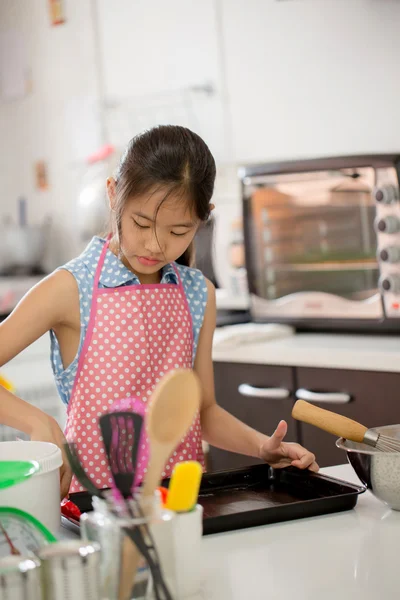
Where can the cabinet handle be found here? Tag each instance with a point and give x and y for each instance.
(246, 389)
(324, 398)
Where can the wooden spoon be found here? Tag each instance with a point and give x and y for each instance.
(172, 410)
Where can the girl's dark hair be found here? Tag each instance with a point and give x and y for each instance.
(172, 158)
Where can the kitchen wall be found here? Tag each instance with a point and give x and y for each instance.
(291, 78)
(40, 126)
(312, 77)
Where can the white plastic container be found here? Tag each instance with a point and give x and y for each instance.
(39, 495)
(179, 544)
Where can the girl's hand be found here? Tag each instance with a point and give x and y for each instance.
(48, 430)
(280, 454)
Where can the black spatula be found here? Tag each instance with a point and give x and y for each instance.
(121, 433)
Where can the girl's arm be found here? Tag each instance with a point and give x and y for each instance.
(222, 429)
(45, 307)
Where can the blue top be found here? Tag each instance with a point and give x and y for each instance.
(115, 274)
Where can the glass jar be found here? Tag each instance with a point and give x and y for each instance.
(106, 527)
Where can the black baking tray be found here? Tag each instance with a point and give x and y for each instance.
(259, 495)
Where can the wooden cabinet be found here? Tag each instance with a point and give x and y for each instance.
(261, 396)
(258, 395)
(374, 401)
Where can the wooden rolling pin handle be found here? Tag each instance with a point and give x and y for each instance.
(328, 421)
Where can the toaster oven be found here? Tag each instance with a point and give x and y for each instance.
(322, 241)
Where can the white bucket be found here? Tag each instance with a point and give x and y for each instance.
(40, 494)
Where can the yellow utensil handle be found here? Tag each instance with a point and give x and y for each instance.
(6, 384)
(328, 421)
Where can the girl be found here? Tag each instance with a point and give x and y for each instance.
(131, 308)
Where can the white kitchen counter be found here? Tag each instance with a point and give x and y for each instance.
(340, 351)
(351, 555)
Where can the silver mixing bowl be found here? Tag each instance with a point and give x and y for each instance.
(379, 471)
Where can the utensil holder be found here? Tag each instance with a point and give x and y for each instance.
(179, 545)
(105, 527)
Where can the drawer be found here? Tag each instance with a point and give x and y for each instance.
(373, 400)
(258, 395)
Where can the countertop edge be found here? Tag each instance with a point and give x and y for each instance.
(360, 353)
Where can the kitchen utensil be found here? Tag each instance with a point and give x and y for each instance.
(163, 495)
(135, 535)
(259, 495)
(121, 433)
(140, 535)
(7, 384)
(16, 471)
(21, 533)
(39, 494)
(20, 578)
(138, 532)
(108, 529)
(72, 454)
(172, 410)
(71, 569)
(379, 471)
(343, 427)
(184, 486)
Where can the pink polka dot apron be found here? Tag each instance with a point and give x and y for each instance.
(136, 334)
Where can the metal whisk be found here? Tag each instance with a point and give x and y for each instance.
(343, 427)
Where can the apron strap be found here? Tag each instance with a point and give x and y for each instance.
(180, 284)
(101, 263)
(93, 310)
(182, 290)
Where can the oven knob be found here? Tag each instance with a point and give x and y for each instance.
(389, 224)
(390, 283)
(391, 254)
(386, 194)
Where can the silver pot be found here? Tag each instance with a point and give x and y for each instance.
(379, 471)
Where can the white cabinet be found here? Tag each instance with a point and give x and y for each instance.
(311, 78)
(158, 60)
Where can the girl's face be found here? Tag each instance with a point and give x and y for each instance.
(154, 231)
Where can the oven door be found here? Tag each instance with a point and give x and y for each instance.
(311, 246)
